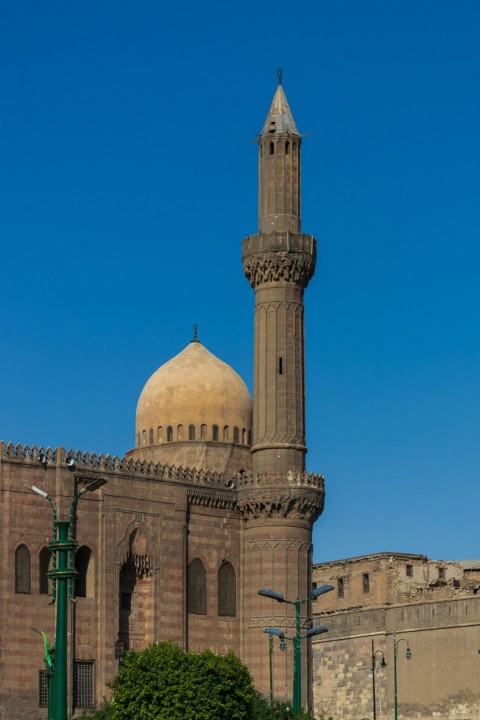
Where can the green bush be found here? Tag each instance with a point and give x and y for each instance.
(105, 713)
(164, 683)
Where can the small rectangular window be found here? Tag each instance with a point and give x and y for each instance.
(280, 366)
(441, 573)
(83, 685)
(409, 570)
(340, 587)
(366, 583)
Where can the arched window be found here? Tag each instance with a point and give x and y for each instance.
(203, 432)
(196, 588)
(287, 148)
(45, 560)
(272, 148)
(215, 432)
(84, 568)
(191, 432)
(151, 436)
(249, 437)
(144, 437)
(226, 434)
(236, 435)
(227, 604)
(169, 434)
(22, 570)
(244, 436)
(160, 434)
(180, 432)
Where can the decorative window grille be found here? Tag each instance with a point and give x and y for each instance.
(42, 689)
(227, 606)
(82, 564)
(45, 561)
(366, 583)
(197, 588)
(126, 602)
(340, 587)
(83, 684)
(22, 570)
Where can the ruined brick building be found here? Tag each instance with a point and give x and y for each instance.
(211, 504)
(432, 605)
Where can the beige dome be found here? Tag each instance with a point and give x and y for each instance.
(194, 397)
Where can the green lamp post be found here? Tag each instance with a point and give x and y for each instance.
(408, 655)
(383, 664)
(63, 547)
(271, 633)
(297, 657)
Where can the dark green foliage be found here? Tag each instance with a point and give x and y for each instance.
(279, 711)
(105, 713)
(164, 683)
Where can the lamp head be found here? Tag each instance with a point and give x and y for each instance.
(273, 594)
(383, 663)
(42, 459)
(274, 631)
(98, 482)
(320, 590)
(36, 490)
(318, 630)
(283, 644)
(408, 654)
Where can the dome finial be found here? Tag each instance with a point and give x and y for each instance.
(279, 75)
(195, 338)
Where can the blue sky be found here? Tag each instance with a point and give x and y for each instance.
(128, 180)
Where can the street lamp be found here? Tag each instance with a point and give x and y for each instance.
(271, 633)
(408, 655)
(63, 572)
(374, 668)
(297, 659)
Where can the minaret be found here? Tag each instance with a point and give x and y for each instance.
(279, 502)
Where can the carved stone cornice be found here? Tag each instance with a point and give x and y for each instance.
(297, 496)
(279, 257)
(212, 499)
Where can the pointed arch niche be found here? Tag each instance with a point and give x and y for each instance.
(135, 589)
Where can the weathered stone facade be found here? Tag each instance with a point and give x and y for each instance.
(433, 605)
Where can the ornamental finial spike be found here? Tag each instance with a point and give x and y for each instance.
(279, 75)
(195, 329)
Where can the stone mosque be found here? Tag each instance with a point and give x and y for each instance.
(212, 504)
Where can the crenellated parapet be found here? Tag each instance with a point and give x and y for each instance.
(89, 462)
(296, 496)
(279, 257)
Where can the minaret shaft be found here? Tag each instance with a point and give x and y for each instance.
(279, 186)
(279, 415)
